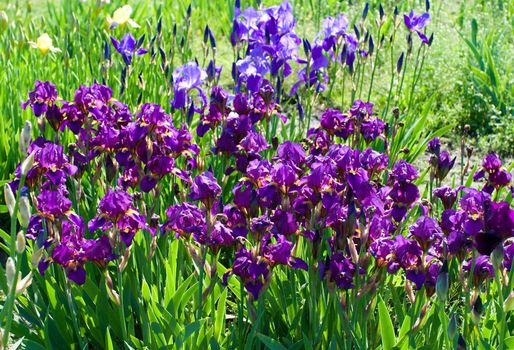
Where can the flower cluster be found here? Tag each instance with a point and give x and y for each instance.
(120, 152)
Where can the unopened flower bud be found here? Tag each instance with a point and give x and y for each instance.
(24, 207)
(10, 200)
(461, 343)
(24, 283)
(27, 164)
(476, 310)
(452, 326)
(441, 286)
(25, 137)
(508, 304)
(115, 297)
(41, 124)
(497, 257)
(20, 242)
(36, 257)
(10, 270)
(4, 20)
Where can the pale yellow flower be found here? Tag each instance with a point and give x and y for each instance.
(44, 44)
(120, 17)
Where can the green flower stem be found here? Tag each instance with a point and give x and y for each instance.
(74, 316)
(9, 306)
(122, 306)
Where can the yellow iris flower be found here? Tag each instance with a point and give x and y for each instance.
(44, 44)
(120, 17)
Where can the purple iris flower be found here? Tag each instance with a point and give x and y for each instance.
(498, 176)
(447, 195)
(425, 230)
(434, 146)
(417, 23)
(291, 152)
(372, 161)
(128, 47)
(53, 203)
(43, 96)
(332, 30)
(339, 270)
(116, 210)
(508, 256)
(316, 77)
(253, 271)
(372, 128)
(185, 219)
(221, 236)
(280, 252)
(483, 269)
(187, 78)
(205, 188)
(74, 251)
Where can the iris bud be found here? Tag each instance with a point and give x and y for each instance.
(461, 343)
(508, 305)
(441, 286)
(24, 283)
(24, 211)
(10, 200)
(4, 20)
(10, 270)
(476, 311)
(27, 164)
(452, 326)
(25, 136)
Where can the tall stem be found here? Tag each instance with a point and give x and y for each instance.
(73, 308)
(122, 306)
(8, 309)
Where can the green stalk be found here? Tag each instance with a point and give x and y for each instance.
(14, 254)
(122, 306)
(415, 76)
(503, 320)
(74, 316)
(404, 68)
(200, 285)
(373, 73)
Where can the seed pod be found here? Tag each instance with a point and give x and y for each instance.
(25, 137)
(10, 200)
(20, 242)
